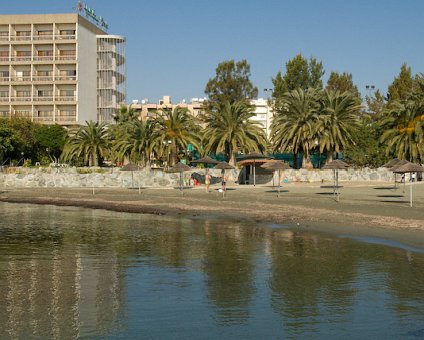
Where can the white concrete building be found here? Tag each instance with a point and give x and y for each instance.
(59, 68)
(263, 113)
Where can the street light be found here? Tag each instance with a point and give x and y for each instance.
(319, 153)
(22, 158)
(167, 144)
(268, 93)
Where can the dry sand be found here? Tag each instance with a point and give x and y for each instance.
(372, 205)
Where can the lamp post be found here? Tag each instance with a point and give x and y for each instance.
(319, 153)
(268, 93)
(167, 144)
(22, 158)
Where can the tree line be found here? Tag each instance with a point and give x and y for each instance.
(308, 118)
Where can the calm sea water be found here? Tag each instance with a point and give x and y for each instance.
(74, 273)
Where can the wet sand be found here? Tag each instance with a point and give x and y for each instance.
(363, 208)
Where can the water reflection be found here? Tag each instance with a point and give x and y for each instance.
(69, 273)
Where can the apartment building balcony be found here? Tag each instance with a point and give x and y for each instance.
(21, 99)
(22, 114)
(65, 98)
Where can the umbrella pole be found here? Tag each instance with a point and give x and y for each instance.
(254, 173)
(222, 184)
(181, 183)
(410, 190)
(337, 184)
(139, 189)
(404, 182)
(334, 183)
(279, 181)
(395, 182)
(132, 179)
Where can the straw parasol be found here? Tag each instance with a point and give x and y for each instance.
(205, 160)
(336, 165)
(391, 163)
(409, 167)
(180, 167)
(223, 166)
(394, 167)
(252, 158)
(276, 165)
(132, 167)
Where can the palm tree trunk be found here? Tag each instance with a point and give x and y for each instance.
(306, 162)
(232, 160)
(329, 157)
(295, 163)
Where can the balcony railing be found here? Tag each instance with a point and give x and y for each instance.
(42, 78)
(22, 113)
(66, 98)
(66, 57)
(38, 78)
(43, 57)
(20, 99)
(65, 77)
(21, 58)
(20, 78)
(43, 37)
(37, 37)
(42, 98)
(20, 37)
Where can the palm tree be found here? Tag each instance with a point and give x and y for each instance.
(90, 142)
(125, 114)
(229, 129)
(404, 134)
(294, 124)
(338, 119)
(134, 140)
(175, 129)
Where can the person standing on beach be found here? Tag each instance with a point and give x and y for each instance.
(207, 181)
(224, 182)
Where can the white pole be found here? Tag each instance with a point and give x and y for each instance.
(410, 191)
(254, 173)
(139, 189)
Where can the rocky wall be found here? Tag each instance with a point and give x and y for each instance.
(114, 177)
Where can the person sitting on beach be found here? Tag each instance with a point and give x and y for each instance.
(207, 181)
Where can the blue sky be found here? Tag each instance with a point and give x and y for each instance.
(174, 46)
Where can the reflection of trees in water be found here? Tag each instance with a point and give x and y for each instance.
(49, 286)
(310, 276)
(404, 271)
(229, 270)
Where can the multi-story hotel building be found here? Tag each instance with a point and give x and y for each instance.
(263, 112)
(59, 68)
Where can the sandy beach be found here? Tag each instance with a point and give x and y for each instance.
(361, 205)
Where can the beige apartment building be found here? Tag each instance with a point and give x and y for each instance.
(147, 110)
(263, 112)
(60, 68)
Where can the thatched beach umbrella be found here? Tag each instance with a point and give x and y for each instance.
(276, 165)
(252, 158)
(132, 167)
(223, 166)
(180, 167)
(205, 160)
(336, 165)
(390, 164)
(410, 168)
(396, 165)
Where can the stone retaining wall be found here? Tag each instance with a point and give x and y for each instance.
(112, 177)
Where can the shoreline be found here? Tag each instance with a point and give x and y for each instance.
(373, 209)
